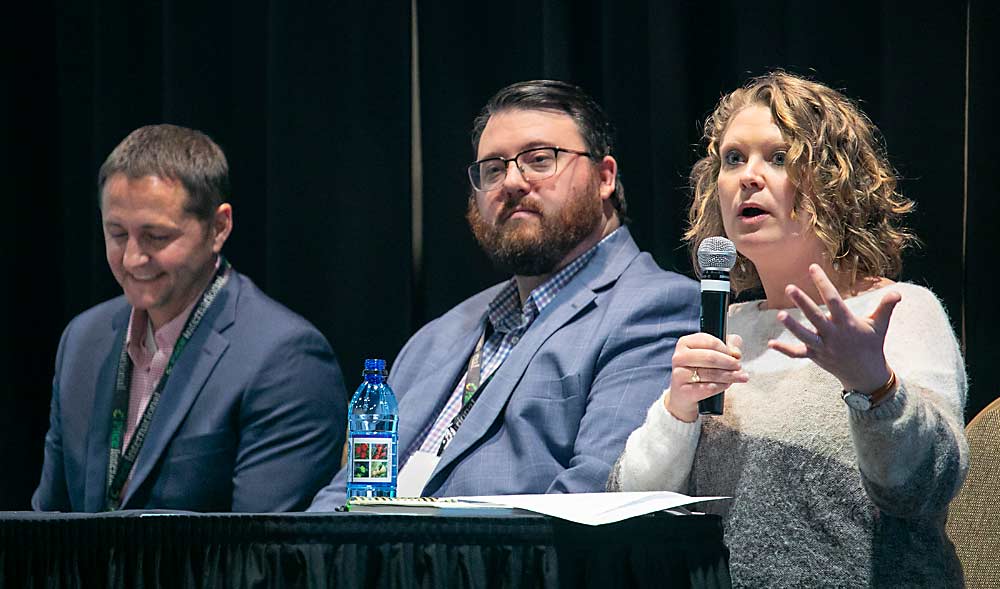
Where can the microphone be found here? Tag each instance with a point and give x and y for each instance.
(716, 257)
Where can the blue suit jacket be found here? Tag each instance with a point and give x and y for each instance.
(252, 418)
(557, 412)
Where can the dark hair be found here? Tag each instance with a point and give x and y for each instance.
(176, 153)
(836, 160)
(565, 98)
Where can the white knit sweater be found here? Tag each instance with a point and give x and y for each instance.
(824, 495)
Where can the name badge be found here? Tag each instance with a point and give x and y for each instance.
(415, 474)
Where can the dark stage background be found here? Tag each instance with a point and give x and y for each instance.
(347, 161)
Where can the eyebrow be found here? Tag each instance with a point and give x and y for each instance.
(524, 147)
(145, 227)
(770, 143)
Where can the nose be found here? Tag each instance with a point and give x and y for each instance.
(514, 181)
(134, 256)
(751, 178)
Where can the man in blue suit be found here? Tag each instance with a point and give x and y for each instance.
(194, 390)
(533, 385)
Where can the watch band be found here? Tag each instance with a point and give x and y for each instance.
(866, 401)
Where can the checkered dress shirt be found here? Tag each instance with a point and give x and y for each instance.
(509, 321)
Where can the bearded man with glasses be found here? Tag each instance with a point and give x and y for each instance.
(533, 385)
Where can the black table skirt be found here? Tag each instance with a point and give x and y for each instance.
(133, 549)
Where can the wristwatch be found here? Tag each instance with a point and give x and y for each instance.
(859, 401)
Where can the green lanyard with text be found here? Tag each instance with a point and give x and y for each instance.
(120, 464)
(474, 385)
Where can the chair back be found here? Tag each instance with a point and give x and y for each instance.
(974, 515)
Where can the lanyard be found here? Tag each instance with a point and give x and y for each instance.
(120, 463)
(470, 392)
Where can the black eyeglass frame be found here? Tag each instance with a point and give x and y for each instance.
(506, 164)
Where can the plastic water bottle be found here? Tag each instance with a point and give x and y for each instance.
(373, 418)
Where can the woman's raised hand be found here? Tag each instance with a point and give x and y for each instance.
(849, 347)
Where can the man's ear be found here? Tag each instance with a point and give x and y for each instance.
(222, 226)
(607, 169)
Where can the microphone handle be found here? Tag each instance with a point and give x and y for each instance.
(714, 311)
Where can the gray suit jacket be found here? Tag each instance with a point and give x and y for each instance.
(252, 418)
(557, 412)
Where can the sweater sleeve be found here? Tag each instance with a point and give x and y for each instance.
(658, 456)
(911, 450)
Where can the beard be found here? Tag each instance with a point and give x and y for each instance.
(535, 246)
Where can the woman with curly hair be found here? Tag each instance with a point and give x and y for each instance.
(841, 441)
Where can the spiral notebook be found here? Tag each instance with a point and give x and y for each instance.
(428, 506)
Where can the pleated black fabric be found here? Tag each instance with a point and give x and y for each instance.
(357, 551)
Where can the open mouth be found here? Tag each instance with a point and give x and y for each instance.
(752, 212)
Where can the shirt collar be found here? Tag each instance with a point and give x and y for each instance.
(504, 311)
(165, 337)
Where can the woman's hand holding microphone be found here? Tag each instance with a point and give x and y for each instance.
(702, 366)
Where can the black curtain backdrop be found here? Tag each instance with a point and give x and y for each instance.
(312, 103)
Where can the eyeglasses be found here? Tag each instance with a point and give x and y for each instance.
(534, 164)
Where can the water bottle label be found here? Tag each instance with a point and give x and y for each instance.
(372, 459)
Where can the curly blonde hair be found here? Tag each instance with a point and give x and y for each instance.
(845, 185)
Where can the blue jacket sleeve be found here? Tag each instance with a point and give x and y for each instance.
(292, 426)
(52, 493)
(632, 370)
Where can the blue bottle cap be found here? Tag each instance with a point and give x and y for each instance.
(374, 364)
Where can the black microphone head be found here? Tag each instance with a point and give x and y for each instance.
(716, 253)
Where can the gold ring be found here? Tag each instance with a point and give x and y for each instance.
(694, 375)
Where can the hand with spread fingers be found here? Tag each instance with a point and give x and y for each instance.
(849, 347)
(702, 366)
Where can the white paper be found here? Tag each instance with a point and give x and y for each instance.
(592, 509)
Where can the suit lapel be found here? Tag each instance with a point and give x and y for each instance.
(489, 408)
(96, 480)
(610, 260)
(186, 381)
(447, 364)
